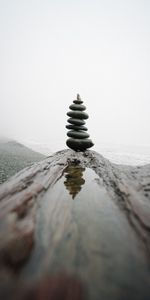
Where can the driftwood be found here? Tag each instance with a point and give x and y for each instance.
(75, 226)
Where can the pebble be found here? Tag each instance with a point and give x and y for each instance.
(76, 127)
(77, 114)
(78, 101)
(78, 144)
(77, 134)
(77, 107)
(76, 121)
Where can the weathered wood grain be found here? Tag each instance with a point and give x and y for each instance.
(75, 226)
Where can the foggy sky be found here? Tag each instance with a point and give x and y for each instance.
(52, 50)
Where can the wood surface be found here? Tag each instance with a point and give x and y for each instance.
(76, 226)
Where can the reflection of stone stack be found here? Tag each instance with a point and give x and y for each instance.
(78, 137)
(74, 180)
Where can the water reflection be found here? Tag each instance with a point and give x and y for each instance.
(74, 181)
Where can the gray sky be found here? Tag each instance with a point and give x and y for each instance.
(52, 50)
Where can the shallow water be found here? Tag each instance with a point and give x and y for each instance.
(81, 231)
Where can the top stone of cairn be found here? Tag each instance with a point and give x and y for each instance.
(78, 100)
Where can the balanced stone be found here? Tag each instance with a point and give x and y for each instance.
(77, 101)
(77, 114)
(79, 144)
(76, 121)
(76, 127)
(78, 134)
(77, 107)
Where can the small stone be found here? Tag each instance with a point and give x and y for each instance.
(78, 144)
(77, 134)
(76, 127)
(76, 121)
(77, 114)
(77, 107)
(78, 101)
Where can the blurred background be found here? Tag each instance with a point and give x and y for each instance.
(52, 50)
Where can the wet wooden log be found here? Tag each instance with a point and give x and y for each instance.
(75, 226)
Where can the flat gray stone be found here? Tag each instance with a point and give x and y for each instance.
(78, 115)
(76, 127)
(76, 121)
(78, 134)
(78, 144)
(77, 107)
(78, 101)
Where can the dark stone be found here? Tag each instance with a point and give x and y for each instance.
(76, 127)
(77, 107)
(78, 134)
(77, 114)
(76, 121)
(78, 101)
(79, 144)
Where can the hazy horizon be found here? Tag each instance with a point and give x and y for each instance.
(50, 51)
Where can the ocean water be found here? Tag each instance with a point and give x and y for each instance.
(127, 155)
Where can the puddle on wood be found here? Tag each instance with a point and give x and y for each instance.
(74, 179)
(81, 231)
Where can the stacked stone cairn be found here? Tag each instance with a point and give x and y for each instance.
(78, 136)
